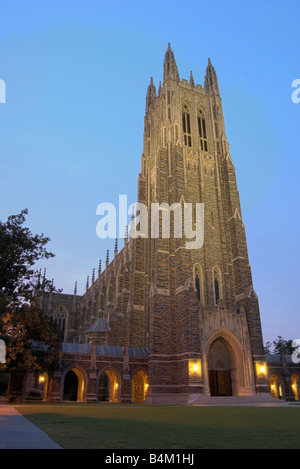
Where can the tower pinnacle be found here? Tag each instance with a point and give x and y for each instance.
(170, 67)
(211, 80)
(151, 95)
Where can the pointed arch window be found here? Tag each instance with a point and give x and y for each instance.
(186, 126)
(60, 316)
(198, 282)
(217, 285)
(202, 130)
(217, 291)
(197, 285)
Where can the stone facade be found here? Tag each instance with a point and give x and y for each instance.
(193, 312)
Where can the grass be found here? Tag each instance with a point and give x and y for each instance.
(166, 427)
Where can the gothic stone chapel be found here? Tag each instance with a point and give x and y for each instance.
(163, 323)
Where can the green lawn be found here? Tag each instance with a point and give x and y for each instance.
(166, 427)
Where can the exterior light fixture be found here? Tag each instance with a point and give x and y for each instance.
(194, 369)
(261, 369)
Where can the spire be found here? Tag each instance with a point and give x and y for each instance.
(44, 279)
(116, 246)
(99, 268)
(107, 257)
(51, 295)
(159, 88)
(74, 298)
(192, 79)
(211, 80)
(39, 279)
(170, 67)
(93, 276)
(151, 95)
(87, 283)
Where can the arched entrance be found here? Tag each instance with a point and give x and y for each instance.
(296, 386)
(219, 369)
(275, 386)
(139, 386)
(73, 385)
(108, 387)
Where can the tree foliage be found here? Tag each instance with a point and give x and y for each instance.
(281, 346)
(32, 339)
(19, 252)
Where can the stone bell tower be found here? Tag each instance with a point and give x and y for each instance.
(204, 330)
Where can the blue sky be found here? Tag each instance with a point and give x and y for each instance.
(71, 133)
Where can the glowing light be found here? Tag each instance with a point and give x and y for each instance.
(261, 369)
(195, 369)
(41, 379)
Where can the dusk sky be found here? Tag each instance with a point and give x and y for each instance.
(71, 134)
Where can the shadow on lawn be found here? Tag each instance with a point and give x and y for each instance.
(140, 432)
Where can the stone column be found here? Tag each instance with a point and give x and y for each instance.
(126, 388)
(91, 388)
(55, 394)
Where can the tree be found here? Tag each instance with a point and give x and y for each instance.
(32, 339)
(283, 346)
(267, 347)
(32, 343)
(19, 252)
(280, 346)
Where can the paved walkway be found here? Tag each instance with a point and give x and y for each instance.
(17, 432)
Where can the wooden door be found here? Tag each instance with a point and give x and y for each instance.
(224, 383)
(220, 383)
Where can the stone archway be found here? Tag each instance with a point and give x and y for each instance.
(73, 386)
(219, 369)
(108, 390)
(275, 386)
(234, 357)
(139, 386)
(295, 380)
